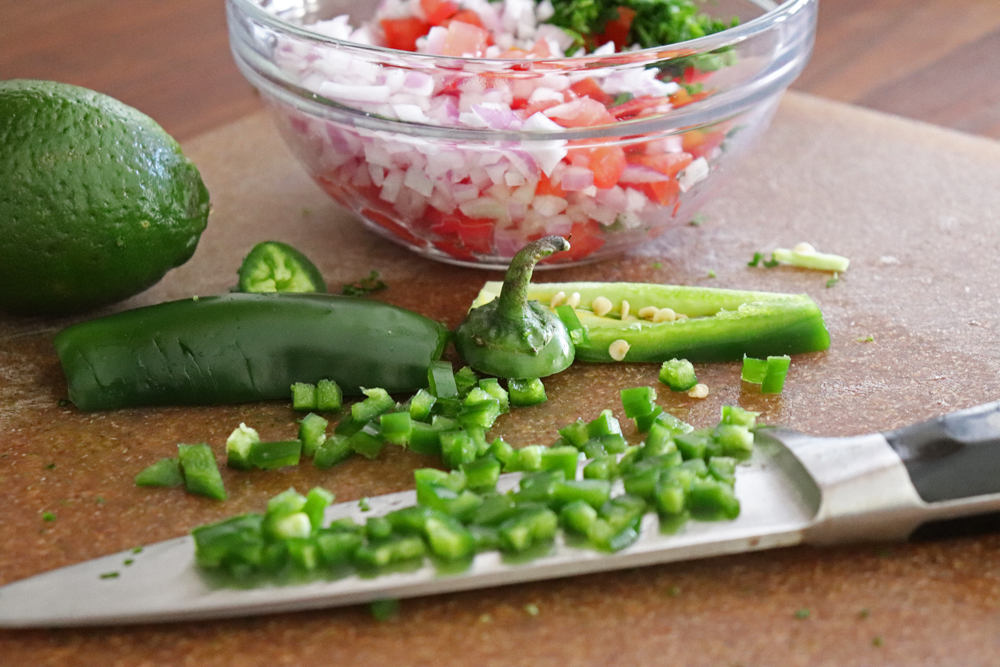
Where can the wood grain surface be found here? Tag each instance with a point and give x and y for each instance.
(932, 60)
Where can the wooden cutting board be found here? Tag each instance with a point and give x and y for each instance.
(915, 331)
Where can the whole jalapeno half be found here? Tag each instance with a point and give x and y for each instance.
(704, 324)
(239, 348)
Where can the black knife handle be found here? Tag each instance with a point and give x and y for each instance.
(953, 456)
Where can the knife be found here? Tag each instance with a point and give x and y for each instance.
(915, 481)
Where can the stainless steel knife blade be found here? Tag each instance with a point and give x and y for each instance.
(795, 488)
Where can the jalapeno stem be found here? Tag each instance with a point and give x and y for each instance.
(514, 293)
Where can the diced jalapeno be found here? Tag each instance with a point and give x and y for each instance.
(334, 450)
(312, 433)
(238, 446)
(201, 473)
(165, 472)
(524, 393)
(329, 396)
(678, 374)
(441, 378)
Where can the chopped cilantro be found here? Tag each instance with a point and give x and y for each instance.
(757, 257)
(531, 609)
(48, 516)
(656, 22)
(383, 610)
(877, 642)
(621, 98)
(833, 281)
(711, 273)
(802, 614)
(867, 339)
(657, 265)
(366, 285)
(363, 505)
(110, 575)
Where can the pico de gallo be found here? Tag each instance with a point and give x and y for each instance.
(481, 201)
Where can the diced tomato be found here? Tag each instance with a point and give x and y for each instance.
(478, 237)
(583, 112)
(700, 143)
(436, 11)
(402, 34)
(465, 16)
(665, 163)
(692, 75)
(607, 163)
(392, 226)
(617, 30)
(540, 49)
(585, 239)
(661, 192)
(547, 187)
(589, 88)
(465, 39)
(540, 105)
(454, 249)
(682, 97)
(634, 107)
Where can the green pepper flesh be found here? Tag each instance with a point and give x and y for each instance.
(238, 348)
(721, 324)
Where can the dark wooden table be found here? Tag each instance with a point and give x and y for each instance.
(931, 60)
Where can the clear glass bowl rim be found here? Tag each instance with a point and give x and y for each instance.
(710, 110)
(704, 44)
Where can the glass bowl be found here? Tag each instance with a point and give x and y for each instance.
(465, 160)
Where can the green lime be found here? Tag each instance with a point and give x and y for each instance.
(97, 201)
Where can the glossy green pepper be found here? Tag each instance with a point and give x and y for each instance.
(710, 325)
(245, 347)
(512, 337)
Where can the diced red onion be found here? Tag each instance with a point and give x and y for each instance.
(639, 174)
(575, 179)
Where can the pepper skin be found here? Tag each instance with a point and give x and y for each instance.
(512, 337)
(721, 324)
(239, 348)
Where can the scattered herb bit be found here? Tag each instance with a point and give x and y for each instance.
(621, 98)
(50, 466)
(658, 265)
(802, 613)
(486, 618)
(711, 273)
(833, 281)
(110, 575)
(758, 260)
(866, 339)
(99, 500)
(137, 550)
(48, 516)
(864, 613)
(364, 286)
(306, 212)
(363, 505)
(531, 609)
(128, 561)
(698, 220)
(804, 256)
(877, 642)
(64, 403)
(672, 591)
(383, 610)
